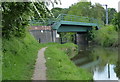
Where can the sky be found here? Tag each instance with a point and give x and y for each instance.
(110, 3)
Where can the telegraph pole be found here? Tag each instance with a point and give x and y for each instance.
(106, 15)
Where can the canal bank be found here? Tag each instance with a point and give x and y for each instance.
(59, 65)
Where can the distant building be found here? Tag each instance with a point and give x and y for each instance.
(42, 33)
(119, 6)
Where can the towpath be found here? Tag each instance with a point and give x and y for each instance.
(40, 67)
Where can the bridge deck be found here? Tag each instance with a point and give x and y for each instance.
(70, 26)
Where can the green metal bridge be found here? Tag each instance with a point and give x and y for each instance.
(69, 23)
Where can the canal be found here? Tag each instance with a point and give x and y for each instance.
(103, 63)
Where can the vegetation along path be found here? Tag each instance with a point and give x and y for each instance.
(40, 68)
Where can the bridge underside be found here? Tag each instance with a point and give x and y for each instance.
(73, 28)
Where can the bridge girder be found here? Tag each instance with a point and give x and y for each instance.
(69, 26)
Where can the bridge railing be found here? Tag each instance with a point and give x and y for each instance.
(64, 17)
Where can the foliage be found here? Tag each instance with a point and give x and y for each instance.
(56, 11)
(80, 9)
(106, 36)
(111, 14)
(97, 11)
(116, 21)
(67, 37)
(43, 11)
(19, 55)
(86, 9)
(16, 16)
(60, 67)
(117, 69)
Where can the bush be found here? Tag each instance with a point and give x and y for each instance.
(106, 36)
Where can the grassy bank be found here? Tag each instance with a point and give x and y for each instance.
(59, 65)
(106, 36)
(19, 56)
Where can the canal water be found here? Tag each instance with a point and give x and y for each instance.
(103, 63)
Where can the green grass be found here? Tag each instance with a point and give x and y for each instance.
(59, 65)
(69, 48)
(19, 56)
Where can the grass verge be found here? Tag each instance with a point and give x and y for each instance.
(19, 55)
(59, 65)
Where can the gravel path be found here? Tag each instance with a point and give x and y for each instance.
(40, 68)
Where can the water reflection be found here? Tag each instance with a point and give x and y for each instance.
(102, 62)
(108, 73)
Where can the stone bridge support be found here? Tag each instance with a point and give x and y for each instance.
(54, 32)
(82, 40)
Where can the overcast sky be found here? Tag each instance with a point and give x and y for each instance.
(110, 3)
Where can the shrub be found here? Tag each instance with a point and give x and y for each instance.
(106, 36)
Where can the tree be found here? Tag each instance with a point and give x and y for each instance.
(56, 11)
(16, 16)
(80, 9)
(111, 13)
(86, 9)
(117, 69)
(116, 21)
(97, 11)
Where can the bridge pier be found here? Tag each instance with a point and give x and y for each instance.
(82, 40)
(54, 32)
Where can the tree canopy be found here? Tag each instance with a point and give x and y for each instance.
(56, 11)
(111, 14)
(116, 21)
(16, 16)
(88, 10)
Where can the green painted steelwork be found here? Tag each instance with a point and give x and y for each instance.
(66, 26)
(73, 28)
